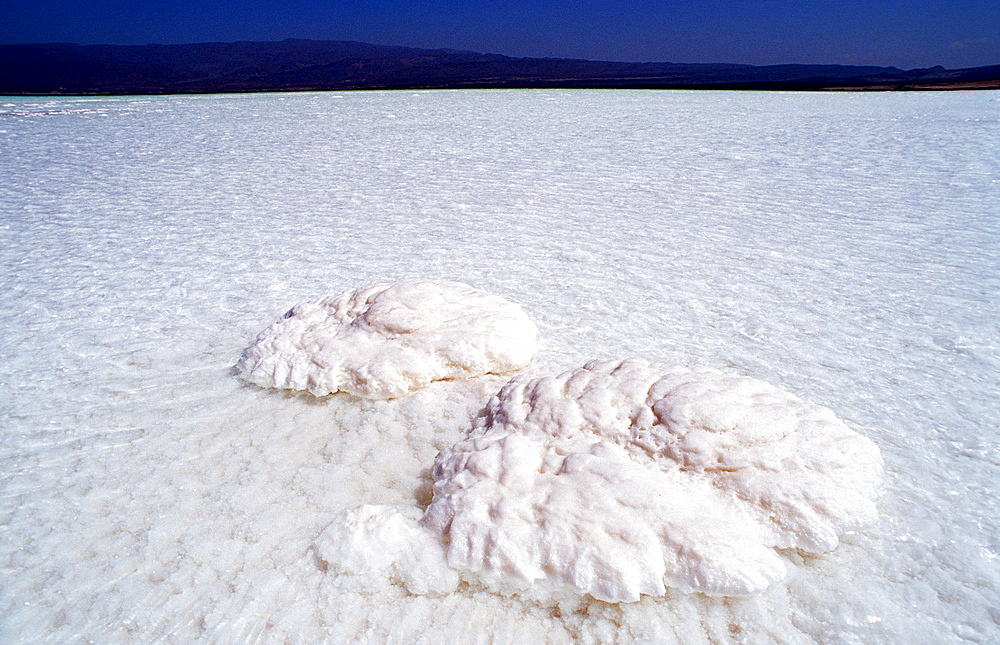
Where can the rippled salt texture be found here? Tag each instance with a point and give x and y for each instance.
(843, 247)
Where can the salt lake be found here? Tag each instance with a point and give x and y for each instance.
(844, 247)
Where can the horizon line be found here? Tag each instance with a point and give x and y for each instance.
(472, 51)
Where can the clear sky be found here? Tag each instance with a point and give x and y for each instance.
(903, 33)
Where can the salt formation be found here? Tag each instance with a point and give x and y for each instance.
(623, 479)
(385, 341)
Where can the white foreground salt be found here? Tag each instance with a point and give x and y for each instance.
(844, 248)
(621, 479)
(385, 341)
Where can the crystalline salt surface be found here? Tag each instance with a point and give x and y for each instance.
(842, 247)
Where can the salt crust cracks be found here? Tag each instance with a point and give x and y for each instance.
(622, 479)
(385, 341)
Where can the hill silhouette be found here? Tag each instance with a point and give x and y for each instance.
(62, 68)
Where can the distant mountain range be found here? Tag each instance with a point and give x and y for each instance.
(334, 65)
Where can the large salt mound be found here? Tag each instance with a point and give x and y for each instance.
(385, 341)
(621, 479)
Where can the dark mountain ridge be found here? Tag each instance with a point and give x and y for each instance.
(61, 68)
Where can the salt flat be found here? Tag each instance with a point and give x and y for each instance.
(845, 248)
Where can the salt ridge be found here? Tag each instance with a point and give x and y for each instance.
(625, 479)
(384, 341)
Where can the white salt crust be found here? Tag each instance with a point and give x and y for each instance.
(625, 479)
(843, 247)
(384, 341)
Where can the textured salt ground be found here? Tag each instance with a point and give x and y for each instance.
(843, 248)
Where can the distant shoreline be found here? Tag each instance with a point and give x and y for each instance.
(993, 84)
(923, 87)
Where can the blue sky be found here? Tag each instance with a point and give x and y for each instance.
(907, 34)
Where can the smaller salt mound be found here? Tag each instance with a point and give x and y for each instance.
(385, 341)
(622, 479)
(376, 542)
